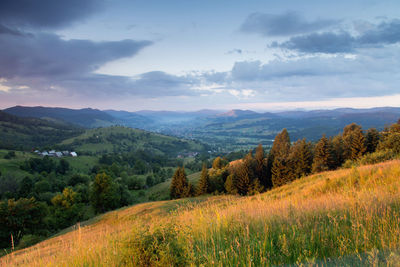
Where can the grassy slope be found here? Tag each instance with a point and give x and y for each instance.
(346, 217)
(128, 139)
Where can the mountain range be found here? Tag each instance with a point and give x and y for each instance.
(229, 129)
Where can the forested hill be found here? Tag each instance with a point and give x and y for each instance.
(27, 133)
(87, 117)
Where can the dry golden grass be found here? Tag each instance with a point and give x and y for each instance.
(343, 217)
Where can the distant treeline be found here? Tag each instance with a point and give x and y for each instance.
(286, 161)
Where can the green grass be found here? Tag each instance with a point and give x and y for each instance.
(121, 139)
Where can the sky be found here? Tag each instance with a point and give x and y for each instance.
(191, 55)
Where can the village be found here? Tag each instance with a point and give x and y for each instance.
(58, 154)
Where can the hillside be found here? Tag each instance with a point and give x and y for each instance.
(86, 117)
(117, 139)
(345, 217)
(28, 133)
(228, 131)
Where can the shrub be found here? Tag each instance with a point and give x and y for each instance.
(159, 247)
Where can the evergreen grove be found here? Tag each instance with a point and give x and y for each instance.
(287, 161)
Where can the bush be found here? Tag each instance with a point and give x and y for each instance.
(371, 158)
(160, 247)
(29, 240)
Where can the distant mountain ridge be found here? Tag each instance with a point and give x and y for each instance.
(86, 117)
(222, 128)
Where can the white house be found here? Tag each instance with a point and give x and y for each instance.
(73, 154)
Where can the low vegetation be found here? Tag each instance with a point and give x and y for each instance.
(345, 217)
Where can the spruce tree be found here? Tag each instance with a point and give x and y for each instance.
(242, 181)
(322, 156)
(357, 145)
(280, 172)
(180, 186)
(300, 159)
(337, 151)
(204, 183)
(281, 145)
(349, 133)
(230, 184)
(261, 167)
(371, 140)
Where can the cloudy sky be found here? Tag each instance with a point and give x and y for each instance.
(189, 55)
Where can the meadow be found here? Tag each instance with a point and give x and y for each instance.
(346, 217)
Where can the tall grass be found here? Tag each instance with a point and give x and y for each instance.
(346, 217)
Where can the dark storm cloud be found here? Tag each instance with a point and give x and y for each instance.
(47, 55)
(328, 42)
(289, 23)
(45, 13)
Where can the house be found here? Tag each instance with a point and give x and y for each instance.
(73, 154)
(58, 154)
(44, 153)
(65, 153)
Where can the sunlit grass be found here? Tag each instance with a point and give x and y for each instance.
(346, 217)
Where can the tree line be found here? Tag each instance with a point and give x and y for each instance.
(287, 161)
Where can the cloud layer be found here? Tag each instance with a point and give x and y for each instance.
(285, 24)
(45, 13)
(385, 33)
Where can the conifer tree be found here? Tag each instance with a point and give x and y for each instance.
(300, 159)
(230, 184)
(357, 145)
(280, 172)
(261, 167)
(371, 140)
(281, 145)
(217, 163)
(180, 186)
(204, 183)
(278, 158)
(242, 181)
(349, 133)
(337, 147)
(322, 155)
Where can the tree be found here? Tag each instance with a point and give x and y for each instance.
(322, 156)
(353, 142)
(67, 210)
(63, 167)
(230, 185)
(280, 172)
(278, 159)
(180, 186)
(217, 163)
(300, 159)
(337, 151)
(25, 187)
(261, 171)
(19, 217)
(243, 181)
(371, 140)
(204, 183)
(103, 196)
(281, 145)
(357, 145)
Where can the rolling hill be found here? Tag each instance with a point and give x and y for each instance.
(88, 118)
(347, 217)
(228, 131)
(28, 133)
(117, 139)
